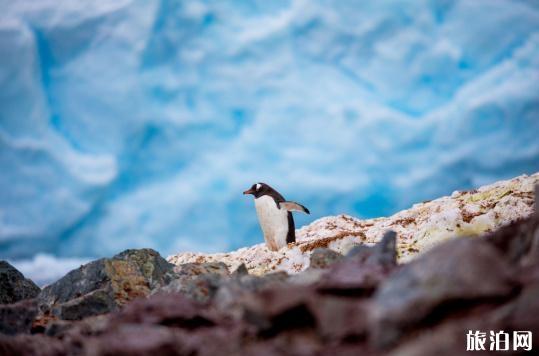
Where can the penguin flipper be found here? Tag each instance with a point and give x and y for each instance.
(293, 206)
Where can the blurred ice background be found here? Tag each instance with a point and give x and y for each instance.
(127, 124)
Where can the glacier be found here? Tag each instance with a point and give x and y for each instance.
(133, 124)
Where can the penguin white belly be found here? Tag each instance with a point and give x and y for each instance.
(273, 221)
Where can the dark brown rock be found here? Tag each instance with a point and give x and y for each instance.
(67, 330)
(144, 339)
(14, 286)
(442, 281)
(200, 288)
(446, 339)
(301, 342)
(364, 267)
(133, 340)
(94, 303)
(154, 268)
(522, 313)
(519, 241)
(198, 281)
(17, 318)
(106, 285)
(310, 276)
(383, 254)
(515, 240)
(362, 304)
(164, 324)
(167, 309)
(193, 270)
(35, 345)
(241, 270)
(233, 292)
(340, 318)
(323, 258)
(272, 311)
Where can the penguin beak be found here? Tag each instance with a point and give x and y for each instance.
(249, 191)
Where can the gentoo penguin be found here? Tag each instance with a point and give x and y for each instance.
(274, 215)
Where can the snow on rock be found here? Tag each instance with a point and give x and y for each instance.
(464, 213)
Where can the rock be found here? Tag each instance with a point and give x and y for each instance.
(383, 254)
(105, 285)
(132, 339)
(445, 279)
(58, 327)
(13, 286)
(32, 345)
(287, 309)
(200, 288)
(425, 307)
(170, 309)
(522, 313)
(281, 308)
(447, 339)
(308, 277)
(17, 318)
(532, 256)
(93, 303)
(257, 283)
(241, 270)
(518, 240)
(423, 226)
(90, 326)
(168, 324)
(154, 268)
(198, 281)
(359, 251)
(361, 303)
(192, 270)
(232, 292)
(363, 268)
(323, 257)
(340, 318)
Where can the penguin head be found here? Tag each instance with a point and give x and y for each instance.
(260, 189)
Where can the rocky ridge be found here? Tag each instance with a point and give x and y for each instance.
(362, 301)
(14, 286)
(464, 213)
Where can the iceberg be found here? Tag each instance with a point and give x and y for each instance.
(134, 124)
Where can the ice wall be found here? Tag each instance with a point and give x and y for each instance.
(139, 123)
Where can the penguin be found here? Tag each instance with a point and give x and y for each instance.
(274, 215)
